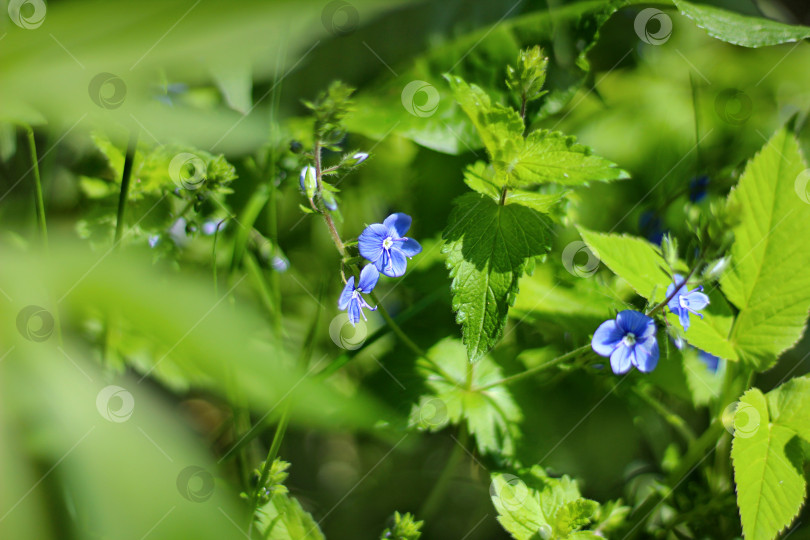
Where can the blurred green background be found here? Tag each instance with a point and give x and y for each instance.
(189, 330)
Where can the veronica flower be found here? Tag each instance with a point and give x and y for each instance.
(386, 246)
(685, 301)
(629, 341)
(351, 300)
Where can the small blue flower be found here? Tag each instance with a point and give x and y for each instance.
(359, 158)
(697, 188)
(629, 341)
(386, 246)
(350, 299)
(712, 362)
(652, 226)
(685, 301)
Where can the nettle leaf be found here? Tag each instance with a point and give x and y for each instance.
(741, 29)
(488, 247)
(283, 518)
(480, 177)
(491, 415)
(767, 469)
(641, 264)
(552, 157)
(533, 505)
(768, 281)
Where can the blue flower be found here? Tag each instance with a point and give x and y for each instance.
(629, 341)
(386, 246)
(350, 298)
(697, 188)
(712, 362)
(685, 301)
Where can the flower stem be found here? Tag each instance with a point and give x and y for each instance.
(674, 420)
(677, 288)
(40, 205)
(537, 369)
(330, 224)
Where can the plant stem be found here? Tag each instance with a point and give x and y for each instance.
(268, 465)
(431, 504)
(40, 205)
(677, 288)
(330, 224)
(674, 420)
(537, 369)
(125, 181)
(502, 201)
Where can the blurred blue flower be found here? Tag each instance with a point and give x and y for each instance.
(153, 240)
(386, 246)
(629, 341)
(697, 188)
(359, 158)
(651, 226)
(712, 362)
(685, 301)
(350, 299)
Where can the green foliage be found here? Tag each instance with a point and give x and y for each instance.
(768, 459)
(534, 506)
(741, 29)
(527, 79)
(458, 396)
(488, 247)
(405, 528)
(330, 108)
(768, 281)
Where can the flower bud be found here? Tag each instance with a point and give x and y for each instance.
(357, 159)
(308, 181)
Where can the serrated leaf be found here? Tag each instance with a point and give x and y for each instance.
(768, 281)
(532, 505)
(283, 518)
(770, 483)
(711, 332)
(789, 406)
(491, 415)
(480, 177)
(488, 246)
(542, 202)
(551, 157)
(741, 29)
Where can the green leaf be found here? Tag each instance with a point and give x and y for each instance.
(541, 202)
(741, 29)
(405, 528)
(551, 157)
(770, 483)
(789, 406)
(480, 177)
(532, 505)
(711, 332)
(491, 415)
(633, 259)
(768, 281)
(283, 518)
(488, 246)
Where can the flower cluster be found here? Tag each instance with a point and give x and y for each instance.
(629, 339)
(387, 248)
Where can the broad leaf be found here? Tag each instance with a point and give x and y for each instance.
(789, 405)
(491, 414)
(769, 282)
(551, 157)
(767, 470)
(283, 518)
(488, 246)
(741, 29)
(533, 505)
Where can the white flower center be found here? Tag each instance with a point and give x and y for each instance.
(388, 242)
(629, 339)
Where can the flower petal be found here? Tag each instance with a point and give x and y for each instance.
(398, 223)
(620, 359)
(346, 295)
(409, 247)
(370, 241)
(354, 311)
(684, 317)
(368, 278)
(697, 300)
(395, 265)
(606, 337)
(646, 357)
(634, 321)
